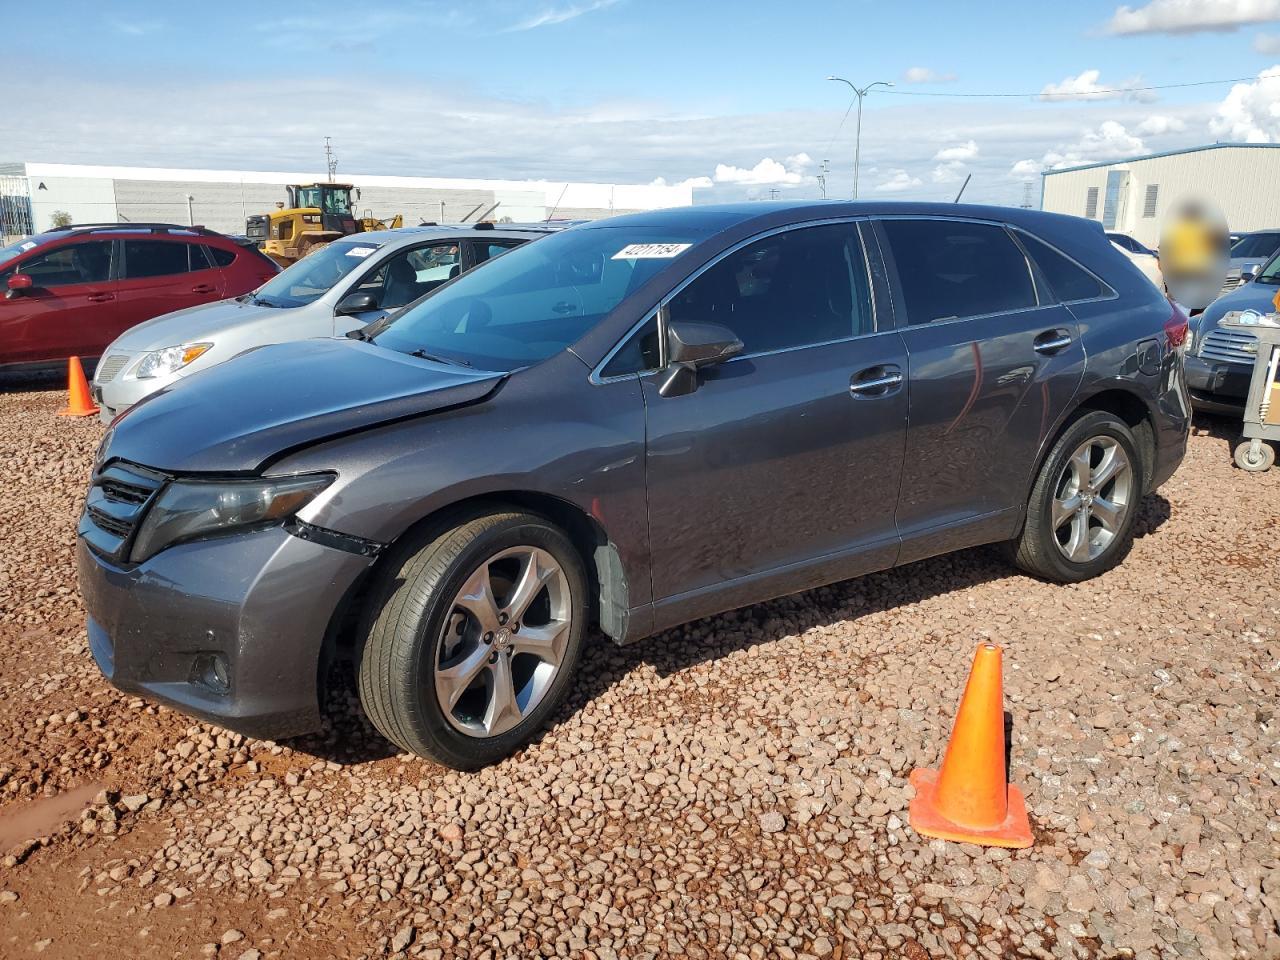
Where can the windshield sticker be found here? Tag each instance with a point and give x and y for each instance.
(360, 251)
(30, 244)
(651, 251)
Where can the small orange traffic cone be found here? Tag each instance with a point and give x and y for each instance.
(79, 403)
(969, 800)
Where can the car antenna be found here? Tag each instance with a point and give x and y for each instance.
(962, 186)
(557, 206)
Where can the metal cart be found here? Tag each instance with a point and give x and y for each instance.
(1262, 407)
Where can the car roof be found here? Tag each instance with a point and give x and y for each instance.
(400, 236)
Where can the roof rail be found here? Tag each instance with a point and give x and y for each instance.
(153, 227)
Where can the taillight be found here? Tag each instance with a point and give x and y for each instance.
(1175, 328)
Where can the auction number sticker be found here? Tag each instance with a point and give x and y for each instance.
(360, 251)
(30, 244)
(651, 251)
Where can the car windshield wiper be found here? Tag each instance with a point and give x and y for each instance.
(359, 334)
(452, 361)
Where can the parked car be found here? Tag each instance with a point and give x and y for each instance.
(1247, 256)
(1220, 359)
(628, 425)
(72, 290)
(1147, 262)
(1130, 244)
(338, 288)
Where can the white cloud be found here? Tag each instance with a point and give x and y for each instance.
(553, 15)
(926, 75)
(768, 172)
(1158, 124)
(1192, 16)
(798, 162)
(1251, 111)
(899, 181)
(947, 172)
(1268, 44)
(960, 152)
(695, 183)
(1085, 86)
(1110, 141)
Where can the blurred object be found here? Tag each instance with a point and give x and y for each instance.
(1194, 245)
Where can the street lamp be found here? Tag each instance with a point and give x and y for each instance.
(857, 143)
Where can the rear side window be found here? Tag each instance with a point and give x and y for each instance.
(221, 258)
(792, 289)
(952, 269)
(493, 249)
(155, 258)
(1067, 280)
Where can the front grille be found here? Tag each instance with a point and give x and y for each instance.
(117, 501)
(1231, 346)
(1229, 284)
(109, 367)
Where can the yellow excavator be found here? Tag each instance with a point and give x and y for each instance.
(316, 214)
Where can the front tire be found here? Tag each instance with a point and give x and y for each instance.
(471, 638)
(1084, 502)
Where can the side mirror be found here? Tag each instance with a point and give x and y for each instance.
(691, 346)
(17, 284)
(360, 302)
(1247, 275)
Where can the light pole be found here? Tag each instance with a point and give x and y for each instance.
(857, 143)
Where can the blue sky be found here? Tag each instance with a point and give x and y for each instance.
(729, 96)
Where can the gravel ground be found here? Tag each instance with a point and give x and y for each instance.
(735, 788)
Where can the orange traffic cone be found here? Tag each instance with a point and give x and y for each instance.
(969, 800)
(79, 403)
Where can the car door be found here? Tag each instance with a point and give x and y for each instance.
(69, 309)
(162, 274)
(401, 278)
(780, 471)
(993, 361)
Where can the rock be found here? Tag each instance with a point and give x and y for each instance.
(772, 822)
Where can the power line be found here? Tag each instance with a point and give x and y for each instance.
(1076, 95)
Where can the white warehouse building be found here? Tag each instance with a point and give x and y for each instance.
(31, 193)
(1132, 196)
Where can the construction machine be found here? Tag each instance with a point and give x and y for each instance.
(316, 214)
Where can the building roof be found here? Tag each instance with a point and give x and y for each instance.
(1156, 156)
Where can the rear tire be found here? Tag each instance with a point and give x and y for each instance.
(1083, 504)
(472, 636)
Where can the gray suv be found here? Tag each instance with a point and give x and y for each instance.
(624, 426)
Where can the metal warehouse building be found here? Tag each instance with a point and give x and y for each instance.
(30, 194)
(1131, 196)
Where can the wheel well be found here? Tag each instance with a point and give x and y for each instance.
(1130, 408)
(606, 581)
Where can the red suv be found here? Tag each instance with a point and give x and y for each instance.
(71, 291)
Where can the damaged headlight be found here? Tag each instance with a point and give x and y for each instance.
(188, 509)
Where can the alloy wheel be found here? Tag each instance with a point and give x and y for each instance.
(1092, 499)
(503, 641)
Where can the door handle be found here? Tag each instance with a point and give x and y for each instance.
(1052, 341)
(202, 288)
(875, 381)
(100, 297)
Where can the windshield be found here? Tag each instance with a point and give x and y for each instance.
(19, 247)
(1270, 273)
(328, 200)
(314, 275)
(536, 300)
(1259, 245)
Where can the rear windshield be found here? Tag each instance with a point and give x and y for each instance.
(315, 275)
(1257, 245)
(536, 300)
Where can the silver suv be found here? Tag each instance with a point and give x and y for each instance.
(339, 288)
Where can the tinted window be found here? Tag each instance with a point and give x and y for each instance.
(222, 258)
(404, 277)
(792, 289)
(155, 258)
(1259, 245)
(78, 263)
(494, 248)
(952, 269)
(641, 352)
(1067, 280)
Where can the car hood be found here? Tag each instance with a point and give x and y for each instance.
(202, 322)
(238, 416)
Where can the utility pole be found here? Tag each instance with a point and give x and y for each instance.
(330, 161)
(1026, 195)
(773, 193)
(822, 178)
(857, 143)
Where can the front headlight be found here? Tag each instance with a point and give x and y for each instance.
(188, 509)
(160, 363)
